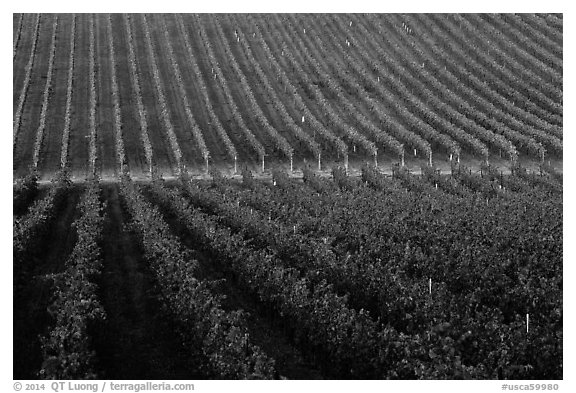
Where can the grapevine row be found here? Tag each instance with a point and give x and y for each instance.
(16, 40)
(160, 97)
(537, 26)
(120, 153)
(217, 72)
(348, 339)
(222, 335)
(46, 97)
(549, 89)
(453, 121)
(375, 107)
(355, 135)
(24, 192)
(276, 102)
(135, 78)
(30, 229)
(519, 90)
(23, 93)
(503, 122)
(424, 115)
(302, 107)
(482, 87)
(406, 113)
(327, 109)
(463, 112)
(522, 56)
(68, 113)
(67, 350)
(196, 132)
(280, 142)
(92, 104)
(204, 91)
(376, 132)
(535, 42)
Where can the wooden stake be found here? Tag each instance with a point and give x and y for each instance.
(346, 163)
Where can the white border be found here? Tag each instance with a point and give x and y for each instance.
(6, 382)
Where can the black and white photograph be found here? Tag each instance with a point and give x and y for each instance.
(317, 195)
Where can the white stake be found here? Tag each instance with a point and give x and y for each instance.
(294, 229)
(262, 163)
(430, 286)
(450, 156)
(414, 152)
(302, 119)
(235, 165)
(291, 164)
(527, 323)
